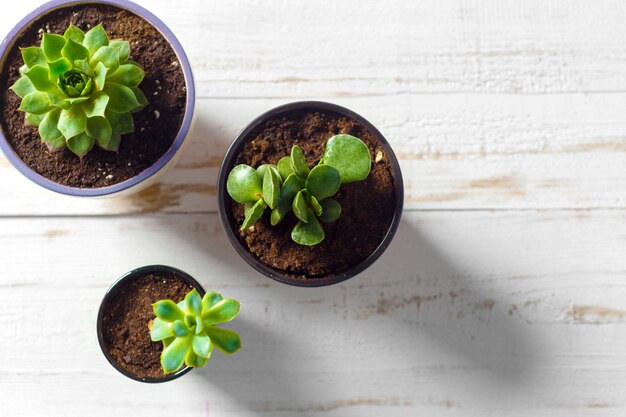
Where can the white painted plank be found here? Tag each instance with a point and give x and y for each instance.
(461, 152)
(466, 314)
(301, 49)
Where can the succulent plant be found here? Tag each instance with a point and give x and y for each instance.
(80, 89)
(291, 186)
(188, 332)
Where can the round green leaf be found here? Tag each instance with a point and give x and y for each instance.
(261, 170)
(35, 103)
(194, 360)
(308, 234)
(161, 330)
(193, 303)
(202, 345)
(226, 340)
(80, 144)
(222, 312)
(299, 206)
(95, 39)
(331, 210)
(253, 213)
(180, 329)
(244, 184)
(271, 187)
(323, 182)
(128, 75)
(350, 156)
(298, 162)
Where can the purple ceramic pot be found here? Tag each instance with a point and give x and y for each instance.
(144, 178)
(228, 221)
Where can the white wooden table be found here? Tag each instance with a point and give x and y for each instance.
(504, 291)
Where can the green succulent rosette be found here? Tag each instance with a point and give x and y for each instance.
(188, 332)
(80, 89)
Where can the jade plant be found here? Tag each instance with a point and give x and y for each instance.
(291, 186)
(188, 332)
(80, 89)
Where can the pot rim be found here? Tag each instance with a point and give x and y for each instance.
(183, 132)
(112, 291)
(226, 217)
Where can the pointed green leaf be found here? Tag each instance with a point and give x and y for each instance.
(310, 233)
(128, 75)
(74, 33)
(121, 123)
(99, 129)
(350, 156)
(52, 45)
(180, 329)
(75, 100)
(113, 144)
(173, 356)
(108, 56)
(271, 187)
(40, 77)
(194, 360)
(56, 144)
(95, 39)
(23, 87)
(81, 144)
(290, 188)
(74, 51)
(96, 105)
(254, 211)
(121, 98)
(58, 67)
(193, 303)
(101, 73)
(48, 126)
(225, 340)
(82, 65)
(199, 325)
(209, 299)
(33, 56)
(284, 167)
(298, 162)
(160, 330)
(299, 206)
(168, 311)
(141, 98)
(58, 99)
(224, 311)
(123, 48)
(72, 122)
(331, 210)
(202, 345)
(35, 103)
(323, 182)
(244, 184)
(33, 119)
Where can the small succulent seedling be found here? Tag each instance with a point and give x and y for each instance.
(188, 330)
(80, 89)
(305, 192)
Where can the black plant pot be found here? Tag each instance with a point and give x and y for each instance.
(119, 286)
(226, 216)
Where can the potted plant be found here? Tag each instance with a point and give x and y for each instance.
(156, 323)
(97, 97)
(310, 194)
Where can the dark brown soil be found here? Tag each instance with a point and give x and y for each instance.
(367, 206)
(127, 317)
(156, 125)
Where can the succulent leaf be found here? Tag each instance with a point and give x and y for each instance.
(225, 340)
(299, 206)
(160, 330)
(173, 356)
(209, 299)
(202, 345)
(193, 303)
(271, 187)
(350, 156)
(284, 167)
(331, 210)
(253, 213)
(168, 311)
(298, 162)
(244, 184)
(85, 80)
(315, 206)
(310, 233)
(323, 182)
(290, 188)
(222, 312)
